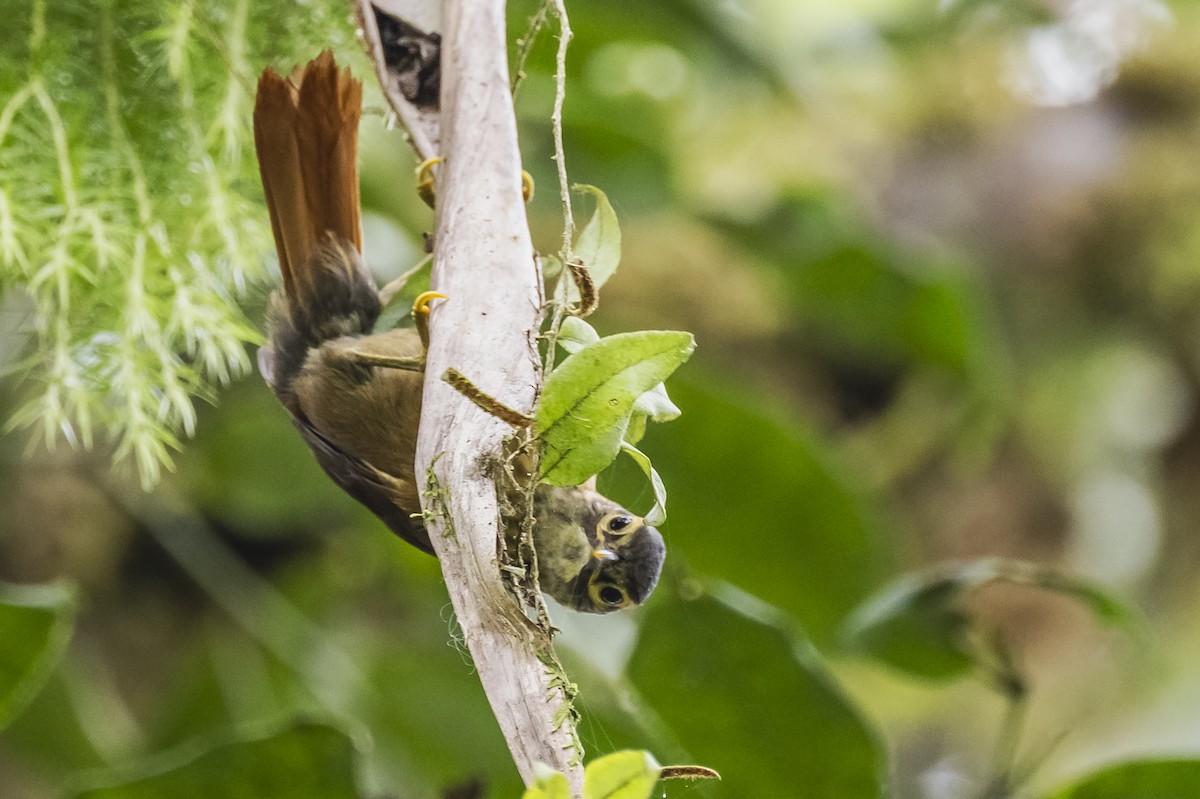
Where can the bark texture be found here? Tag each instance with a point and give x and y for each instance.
(487, 330)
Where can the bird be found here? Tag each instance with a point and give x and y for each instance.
(354, 394)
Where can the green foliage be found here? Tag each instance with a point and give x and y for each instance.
(129, 218)
(35, 626)
(575, 334)
(745, 694)
(917, 625)
(549, 785)
(1145, 779)
(598, 244)
(304, 761)
(652, 405)
(593, 397)
(621, 775)
(587, 401)
(920, 623)
(874, 242)
(810, 544)
(657, 514)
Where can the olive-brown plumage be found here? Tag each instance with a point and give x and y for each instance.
(360, 420)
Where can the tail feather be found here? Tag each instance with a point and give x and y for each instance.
(306, 138)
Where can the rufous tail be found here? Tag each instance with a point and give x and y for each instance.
(306, 138)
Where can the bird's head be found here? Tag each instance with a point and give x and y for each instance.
(593, 555)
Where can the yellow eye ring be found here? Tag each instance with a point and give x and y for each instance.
(619, 523)
(607, 595)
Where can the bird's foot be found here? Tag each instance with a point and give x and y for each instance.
(427, 188)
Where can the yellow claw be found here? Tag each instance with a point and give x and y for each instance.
(426, 189)
(526, 186)
(420, 312)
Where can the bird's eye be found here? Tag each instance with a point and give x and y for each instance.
(618, 524)
(606, 596)
(612, 596)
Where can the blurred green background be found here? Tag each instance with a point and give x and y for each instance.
(942, 260)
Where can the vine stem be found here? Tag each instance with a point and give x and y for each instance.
(556, 123)
(559, 298)
(483, 261)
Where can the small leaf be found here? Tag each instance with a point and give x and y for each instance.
(916, 625)
(306, 761)
(35, 626)
(410, 285)
(547, 784)
(575, 334)
(598, 245)
(551, 267)
(636, 430)
(621, 775)
(1107, 608)
(919, 624)
(1144, 779)
(658, 514)
(654, 406)
(587, 401)
(657, 405)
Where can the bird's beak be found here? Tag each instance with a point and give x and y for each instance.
(604, 554)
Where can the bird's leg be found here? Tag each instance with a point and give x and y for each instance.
(427, 190)
(408, 363)
(526, 186)
(425, 187)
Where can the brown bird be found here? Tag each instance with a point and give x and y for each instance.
(355, 395)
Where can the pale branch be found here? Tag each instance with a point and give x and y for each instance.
(422, 126)
(488, 331)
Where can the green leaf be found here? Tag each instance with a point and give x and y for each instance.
(745, 694)
(657, 405)
(587, 401)
(653, 405)
(1104, 605)
(919, 624)
(1107, 608)
(916, 625)
(658, 514)
(621, 775)
(306, 761)
(575, 334)
(551, 267)
(35, 626)
(598, 245)
(548, 784)
(1145, 779)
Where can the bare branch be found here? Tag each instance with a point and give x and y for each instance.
(488, 332)
(422, 126)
